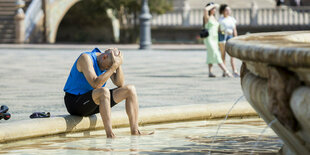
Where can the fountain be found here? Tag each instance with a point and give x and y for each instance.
(261, 134)
(275, 78)
(219, 126)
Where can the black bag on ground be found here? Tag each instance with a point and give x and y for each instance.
(204, 33)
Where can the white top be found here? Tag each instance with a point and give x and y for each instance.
(227, 25)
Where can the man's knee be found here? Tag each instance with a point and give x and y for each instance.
(104, 92)
(131, 89)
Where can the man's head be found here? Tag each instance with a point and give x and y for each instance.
(106, 58)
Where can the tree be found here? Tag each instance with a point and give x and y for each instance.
(125, 8)
(91, 13)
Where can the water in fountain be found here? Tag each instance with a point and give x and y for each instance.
(261, 134)
(219, 126)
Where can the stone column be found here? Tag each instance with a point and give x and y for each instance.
(19, 22)
(253, 14)
(115, 24)
(185, 13)
(145, 26)
(44, 8)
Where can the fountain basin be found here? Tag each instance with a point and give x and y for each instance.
(237, 136)
(28, 129)
(275, 78)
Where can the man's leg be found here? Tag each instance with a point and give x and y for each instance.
(101, 97)
(128, 93)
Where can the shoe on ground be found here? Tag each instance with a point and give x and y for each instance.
(211, 75)
(227, 74)
(236, 75)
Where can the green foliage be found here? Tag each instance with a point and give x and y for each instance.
(160, 6)
(86, 13)
(132, 6)
(93, 11)
(89, 15)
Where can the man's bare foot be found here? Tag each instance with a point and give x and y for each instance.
(137, 132)
(111, 135)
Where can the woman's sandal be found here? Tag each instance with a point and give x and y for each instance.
(227, 74)
(236, 75)
(211, 75)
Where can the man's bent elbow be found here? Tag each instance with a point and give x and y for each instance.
(120, 84)
(96, 85)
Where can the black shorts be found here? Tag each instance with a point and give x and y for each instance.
(84, 105)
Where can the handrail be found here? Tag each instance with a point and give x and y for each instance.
(32, 17)
(285, 16)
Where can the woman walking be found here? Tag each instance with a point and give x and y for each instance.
(228, 30)
(211, 42)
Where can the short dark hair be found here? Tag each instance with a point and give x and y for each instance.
(222, 8)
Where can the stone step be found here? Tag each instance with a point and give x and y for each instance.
(7, 36)
(13, 5)
(7, 13)
(6, 18)
(6, 31)
(10, 40)
(7, 40)
(7, 8)
(7, 1)
(5, 21)
(7, 26)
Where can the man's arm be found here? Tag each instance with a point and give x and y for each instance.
(118, 77)
(85, 65)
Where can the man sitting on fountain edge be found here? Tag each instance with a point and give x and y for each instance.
(86, 94)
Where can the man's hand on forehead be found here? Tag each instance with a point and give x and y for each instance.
(114, 51)
(116, 56)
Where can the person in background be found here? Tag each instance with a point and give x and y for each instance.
(297, 3)
(211, 42)
(280, 3)
(227, 31)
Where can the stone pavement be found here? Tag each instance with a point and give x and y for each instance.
(102, 46)
(32, 80)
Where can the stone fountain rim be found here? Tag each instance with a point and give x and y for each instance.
(276, 48)
(26, 129)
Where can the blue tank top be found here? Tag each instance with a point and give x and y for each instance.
(76, 83)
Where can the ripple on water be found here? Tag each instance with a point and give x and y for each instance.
(185, 137)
